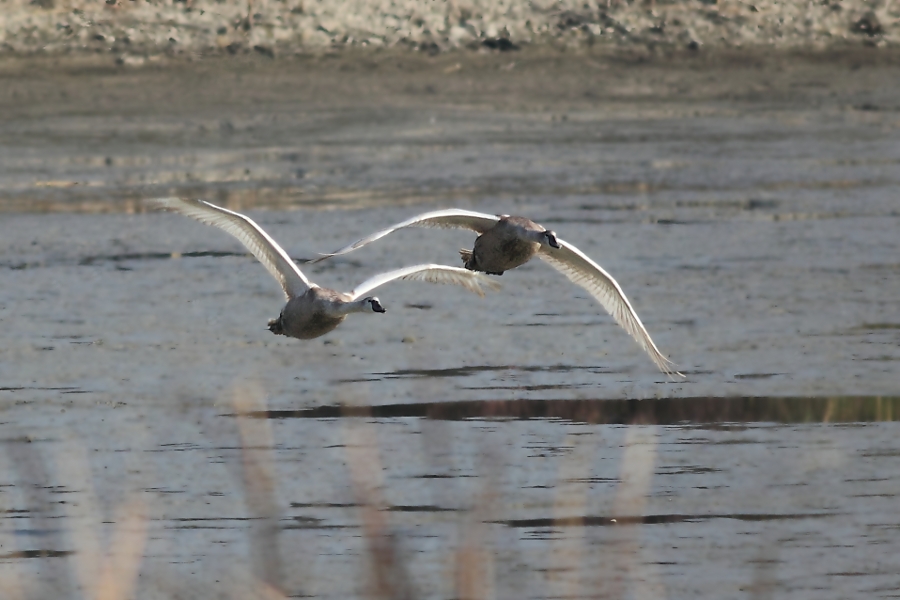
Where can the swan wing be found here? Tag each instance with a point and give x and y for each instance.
(264, 248)
(449, 218)
(432, 274)
(583, 271)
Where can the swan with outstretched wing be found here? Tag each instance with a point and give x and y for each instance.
(312, 310)
(505, 242)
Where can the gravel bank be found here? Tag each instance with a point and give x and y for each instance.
(133, 30)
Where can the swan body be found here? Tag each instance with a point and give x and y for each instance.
(317, 312)
(311, 310)
(510, 243)
(505, 242)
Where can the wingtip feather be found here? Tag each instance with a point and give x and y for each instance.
(318, 259)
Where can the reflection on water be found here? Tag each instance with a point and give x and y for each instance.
(466, 371)
(594, 521)
(538, 462)
(661, 411)
(600, 496)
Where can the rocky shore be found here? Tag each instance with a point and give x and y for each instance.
(132, 31)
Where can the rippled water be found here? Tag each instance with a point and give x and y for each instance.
(516, 446)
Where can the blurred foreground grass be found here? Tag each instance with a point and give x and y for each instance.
(93, 548)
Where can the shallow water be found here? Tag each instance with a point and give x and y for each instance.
(520, 445)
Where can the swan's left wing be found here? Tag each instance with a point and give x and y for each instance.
(432, 274)
(448, 218)
(258, 242)
(582, 271)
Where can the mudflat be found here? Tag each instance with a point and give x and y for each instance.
(81, 134)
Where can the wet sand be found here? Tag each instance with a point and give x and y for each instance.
(747, 208)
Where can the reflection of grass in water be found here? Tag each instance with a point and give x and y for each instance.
(875, 326)
(706, 410)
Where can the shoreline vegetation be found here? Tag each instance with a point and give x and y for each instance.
(135, 32)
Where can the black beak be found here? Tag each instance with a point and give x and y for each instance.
(377, 307)
(551, 239)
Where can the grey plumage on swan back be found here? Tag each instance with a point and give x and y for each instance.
(512, 242)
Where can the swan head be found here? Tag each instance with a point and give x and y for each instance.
(374, 304)
(550, 239)
(276, 326)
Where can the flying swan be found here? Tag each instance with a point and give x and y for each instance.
(506, 242)
(311, 310)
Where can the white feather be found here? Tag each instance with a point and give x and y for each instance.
(584, 272)
(451, 218)
(432, 274)
(264, 248)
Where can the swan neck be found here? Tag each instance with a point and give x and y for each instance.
(537, 237)
(353, 306)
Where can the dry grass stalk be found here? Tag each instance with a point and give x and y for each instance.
(258, 477)
(110, 574)
(120, 569)
(35, 481)
(13, 584)
(571, 503)
(475, 579)
(474, 561)
(635, 482)
(765, 578)
(390, 580)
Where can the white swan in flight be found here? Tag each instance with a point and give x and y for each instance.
(506, 242)
(311, 310)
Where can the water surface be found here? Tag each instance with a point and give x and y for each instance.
(519, 445)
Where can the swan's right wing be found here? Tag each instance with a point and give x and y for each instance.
(582, 271)
(264, 248)
(449, 218)
(431, 273)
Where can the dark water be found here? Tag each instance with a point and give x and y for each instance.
(516, 446)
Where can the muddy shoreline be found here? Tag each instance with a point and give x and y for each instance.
(135, 32)
(83, 134)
